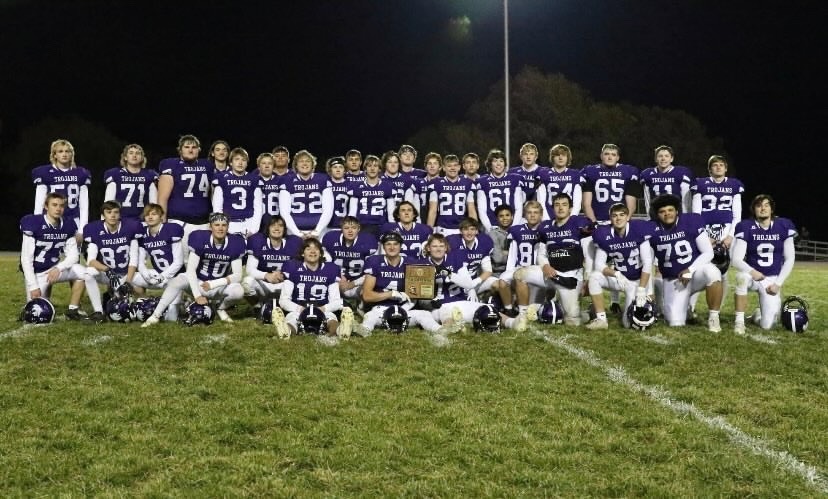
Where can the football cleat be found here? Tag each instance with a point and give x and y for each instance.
(532, 312)
(277, 318)
(151, 321)
(346, 322)
(713, 324)
(596, 324)
(615, 309)
(224, 316)
(72, 314)
(96, 318)
(739, 328)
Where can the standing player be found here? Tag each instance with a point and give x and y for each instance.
(522, 240)
(218, 157)
(306, 199)
(339, 188)
(763, 254)
(557, 179)
(348, 248)
(529, 170)
(281, 160)
(422, 186)
(238, 194)
(684, 253)
(414, 234)
(476, 252)
(270, 186)
(625, 244)
(665, 178)
(371, 200)
(266, 254)
(47, 237)
(184, 187)
(353, 164)
(561, 250)
(63, 176)
(451, 199)
(499, 234)
(408, 156)
(111, 252)
(498, 188)
(608, 183)
(131, 185)
(214, 270)
(471, 166)
(161, 244)
(718, 198)
(403, 184)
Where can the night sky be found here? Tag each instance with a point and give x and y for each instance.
(331, 75)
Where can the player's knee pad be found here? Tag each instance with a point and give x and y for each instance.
(520, 274)
(595, 284)
(742, 283)
(711, 274)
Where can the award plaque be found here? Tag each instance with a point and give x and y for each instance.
(419, 281)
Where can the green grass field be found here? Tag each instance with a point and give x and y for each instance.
(226, 410)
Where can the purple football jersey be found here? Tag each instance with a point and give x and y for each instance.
(306, 198)
(717, 198)
(414, 173)
(529, 180)
(238, 193)
(401, 184)
(160, 246)
(446, 291)
(474, 253)
(270, 194)
(675, 247)
(608, 186)
(765, 247)
(623, 250)
(113, 247)
(49, 239)
(371, 201)
(667, 182)
(350, 257)
(271, 257)
(556, 182)
(215, 259)
(340, 196)
(452, 200)
(67, 182)
(189, 200)
(525, 238)
(499, 191)
(413, 239)
(131, 189)
(388, 277)
(310, 286)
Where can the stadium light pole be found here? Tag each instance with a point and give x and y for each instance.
(506, 74)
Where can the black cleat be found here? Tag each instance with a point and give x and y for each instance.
(95, 318)
(615, 309)
(510, 312)
(72, 314)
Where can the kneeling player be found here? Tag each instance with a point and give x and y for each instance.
(348, 248)
(162, 243)
(266, 254)
(476, 250)
(521, 240)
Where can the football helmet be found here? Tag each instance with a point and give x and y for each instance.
(721, 257)
(495, 300)
(795, 314)
(311, 320)
(38, 311)
(550, 313)
(641, 318)
(198, 314)
(395, 319)
(118, 310)
(142, 308)
(486, 319)
(266, 313)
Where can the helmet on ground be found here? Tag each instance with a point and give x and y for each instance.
(118, 310)
(143, 307)
(721, 257)
(395, 319)
(795, 314)
(198, 314)
(311, 320)
(486, 319)
(495, 300)
(643, 317)
(38, 311)
(550, 313)
(266, 312)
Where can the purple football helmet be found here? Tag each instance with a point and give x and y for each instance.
(38, 311)
(312, 320)
(550, 313)
(142, 308)
(486, 319)
(795, 314)
(118, 310)
(198, 314)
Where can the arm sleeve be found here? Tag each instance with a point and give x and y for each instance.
(91, 252)
(410, 196)
(192, 264)
(83, 205)
(142, 263)
(285, 301)
(737, 214)
(789, 252)
(520, 198)
(253, 268)
(111, 191)
(133, 254)
(258, 208)
(486, 264)
(576, 199)
(586, 246)
(334, 298)
(153, 193)
(236, 268)
(284, 210)
(218, 199)
(463, 278)
(511, 260)
(696, 204)
(27, 252)
(353, 203)
(648, 200)
(70, 254)
(40, 198)
(646, 254)
(737, 257)
(392, 205)
(482, 205)
(600, 262)
(686, 197)
(705, 252)
(540, 254)
(327, 210)
(178, 260)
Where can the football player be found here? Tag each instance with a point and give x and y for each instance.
(471, 166)
(476, 252)
(132, 185)
(184, 188)
(353, 164)
(311, 281)
(422, 187)
(238, 194)
(625, 244)
(498, 188)
(560, 250)
(214, 270)
(266, 254)
(339, 188)
(414, 235)
(161, 244)
(665, 178)
(111, 254)
(559, 178)
(270, 186)
(281, 161)
(371, 200)
(63, 176)
(529, 170)
(348, 248)
(763, 255)
(46, 238)
(499, 234)
(521, 240)
(684, 253)
(408, 156)
(451, 199)
(403, 184)
(306, 198)
(718, 198)
(218, 157)
(607, 183)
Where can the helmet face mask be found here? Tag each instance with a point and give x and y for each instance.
(795, 314)
(311, 320)
(486, 319)
(641, 318)
(142, 308)
(266, 314)
(721, 258)
(198, 314)
(395, 319)
(38, 311)
(118, 310)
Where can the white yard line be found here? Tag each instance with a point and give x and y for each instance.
(97, 340)
(661, 340)
(214, 338)
(15, 333)
(753, 444)
(761, 338)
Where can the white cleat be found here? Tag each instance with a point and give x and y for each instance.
(457, 316)
(739, 328)
(223, 315)
(757, 316)
(532, 312)
(278, 319)
(151, 321)
(713, 325)
(596, 324)
(346, 323)
(522, 321)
